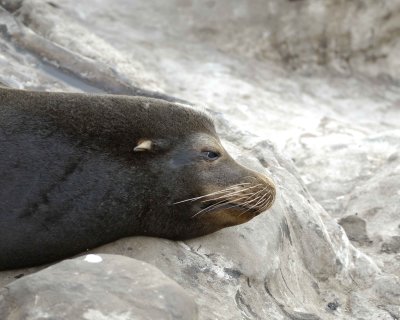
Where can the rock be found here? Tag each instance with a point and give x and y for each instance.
(358, 184)
(392, 245)
(94, 288)
(346, 36)
(87, 59)
(355, 228)
(11, 5)
(377, 200)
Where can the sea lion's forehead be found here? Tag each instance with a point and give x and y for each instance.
(201, 110)
(179, 116)
(204, 140)
(195, 109)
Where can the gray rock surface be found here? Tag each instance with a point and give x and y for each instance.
(106, 287)
(336, 136)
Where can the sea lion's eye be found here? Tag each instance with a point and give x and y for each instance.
(211, 155)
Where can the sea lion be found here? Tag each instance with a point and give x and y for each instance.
(81, 170)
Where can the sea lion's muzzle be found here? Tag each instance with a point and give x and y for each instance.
(246, 199)
(237, 203)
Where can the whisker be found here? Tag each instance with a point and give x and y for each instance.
(215, 205)
(233, 193)
(254, 195)
(251, 197)
(229, 198)
(230, 195)
(233, 206)
(250, 207)
(268, 201)
(259, 200)
(217, 192)
(213, 193)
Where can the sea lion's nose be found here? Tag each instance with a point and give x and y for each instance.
(269, 182)
(268, 187)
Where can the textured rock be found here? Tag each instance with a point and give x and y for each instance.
(87, 58)
(344, 35)
(358, 184)
(355, 228)
(337, 139)
(96, 288)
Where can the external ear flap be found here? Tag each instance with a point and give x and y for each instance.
(143, 145)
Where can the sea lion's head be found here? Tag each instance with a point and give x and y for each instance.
(162, 167)
(201, 187)
(96, 168)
